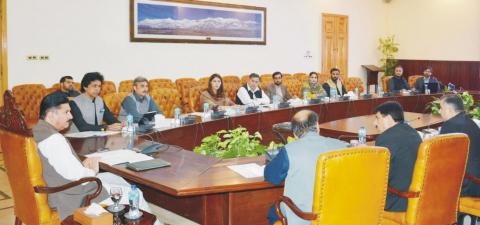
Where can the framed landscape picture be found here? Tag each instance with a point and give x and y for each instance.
(185, 21)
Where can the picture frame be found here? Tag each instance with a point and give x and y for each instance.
(187, 21)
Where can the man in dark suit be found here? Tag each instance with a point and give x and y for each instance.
(457, 121)
(427, 79)
(403, 142)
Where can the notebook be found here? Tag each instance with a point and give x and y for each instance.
(147, 165)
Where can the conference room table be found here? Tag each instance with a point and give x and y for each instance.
(203, 188)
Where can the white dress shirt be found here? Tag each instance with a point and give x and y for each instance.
(243, 95)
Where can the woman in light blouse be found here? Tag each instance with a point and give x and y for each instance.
(312, 86)
(214, 95)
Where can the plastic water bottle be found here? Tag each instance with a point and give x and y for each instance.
(362, 135)
(130, 125)
(333, 93)
(356, 91)
(131, 140)
(134, 201)
(177, 116)
(305, 97)
(205, 110)
(380, 90)
(427, 91)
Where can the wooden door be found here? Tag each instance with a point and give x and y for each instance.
(3, 50)
(335, 43)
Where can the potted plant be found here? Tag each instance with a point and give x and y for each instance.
(389, 48)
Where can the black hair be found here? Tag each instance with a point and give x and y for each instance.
(220, 92)
(334, 69)
(64, 78)
(301, 126)
(311, 73)
(254, 75)
(277, 73)
(53, 100)
(394, 109)
(89, 78)
(455, 101)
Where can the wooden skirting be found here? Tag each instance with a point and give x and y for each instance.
(465, 74)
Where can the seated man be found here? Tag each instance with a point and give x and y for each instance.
(251, 94)
(66, 87)
(139, 102)
(334, 83)
(62, 165)
(278, 89)
(89, 110)
(427, 79)
(402, 141)
(457, 121)
(397, 83)
(296, 162)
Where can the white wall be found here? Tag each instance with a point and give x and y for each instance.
(436, 29)
(93, 35)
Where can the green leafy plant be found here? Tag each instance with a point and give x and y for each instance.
(468, 103)
(389, 48)
(232, 144)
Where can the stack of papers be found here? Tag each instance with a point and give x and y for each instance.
(250, 170)
(87, 134)
(120, 156)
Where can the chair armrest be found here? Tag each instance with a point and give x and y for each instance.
(294, 208)
(406, 194)
(472, 178)
(88, 198)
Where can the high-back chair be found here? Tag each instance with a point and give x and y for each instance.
(194, 99)
(385, 80)
(354, 82)
(114, 101)
(230, 90)
(167, 100)
(155, 84)
(350, 188)
(107, 88)
(413, 79)
(294, 87)
(302, 77)
(434, 193)
(204, 80)
(28, 98)
(471, 205)
(24, 170)
(231, 79)
(184, 89)
(244, 79)
(125, 86)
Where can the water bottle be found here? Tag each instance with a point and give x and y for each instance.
(134, 201)
(362, 135)
(177, 116)
(380, 90)
(356, 91)
(205, 110)
(131, 140)
(333, 93)
(305, 97)
(130, 125)
(426, 89)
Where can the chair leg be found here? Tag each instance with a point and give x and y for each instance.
(18, 221)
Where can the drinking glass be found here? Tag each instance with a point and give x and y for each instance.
(116, 195)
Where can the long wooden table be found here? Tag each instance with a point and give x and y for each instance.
(201, 188)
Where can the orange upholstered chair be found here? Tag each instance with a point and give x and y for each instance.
(322, 77)
(125, 86)
(245, 79)
(385, 80)
(412, 79)
(231, 79)
(471, 205)
(114, 101)
(294, 87)
(160, 83)
(302, 77)
(350, 188)
(28, 98)
(434, 193)
(24, 170)
(194, 99)
(183, 88)
(354, 82)
(230, 90)
(76, 86)
(167, 100)
(204, 81)
(107, 88)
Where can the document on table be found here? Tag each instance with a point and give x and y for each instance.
(87, 134)
(250, 170)
(115, 157)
